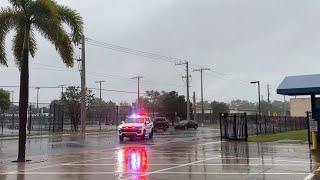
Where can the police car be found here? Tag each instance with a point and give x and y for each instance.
(136, 125)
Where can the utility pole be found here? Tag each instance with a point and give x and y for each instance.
(258, 82)
(100, 83)
(83, 87)
(38, 88)
(138, 101)
(62, 87)
(202, 103)
(194, 107)
(187, 77)
(269, 103)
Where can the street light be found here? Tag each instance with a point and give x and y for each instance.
(258, 82)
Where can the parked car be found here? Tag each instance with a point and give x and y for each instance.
(186, 124)
(160, 123)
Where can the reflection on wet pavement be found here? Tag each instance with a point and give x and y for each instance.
(133, 160)
(177, 155)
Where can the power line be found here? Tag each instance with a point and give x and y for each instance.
(132, 51)
(98, 74)
(144, 54)
(113, 90)
(59, 87)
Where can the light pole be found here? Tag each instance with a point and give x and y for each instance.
(258, 82)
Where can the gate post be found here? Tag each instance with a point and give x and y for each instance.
(257, 128)
(308, 127)
(235, 126)
(30, 116)
(265, 124)
(54, 117)
(62, 118)
(220, 126)
(117, 115)
(2, 123)
(245, 127)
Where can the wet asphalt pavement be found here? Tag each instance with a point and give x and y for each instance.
(193, 154)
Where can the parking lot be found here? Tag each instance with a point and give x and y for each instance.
(193, 154)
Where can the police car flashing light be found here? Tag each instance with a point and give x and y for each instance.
(136, 125)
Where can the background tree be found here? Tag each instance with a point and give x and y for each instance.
(111, 108)
(243, 105)
(4, 104)
(171, 104)
(71, 99)
(26, 17)
(219, 107)
(124, 109)
(154, 98)
(4, 100)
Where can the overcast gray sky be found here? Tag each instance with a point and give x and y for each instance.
(244, 39)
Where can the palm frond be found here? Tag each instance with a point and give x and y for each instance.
(72, 19)
(58, 37)
(17, 45)
(45, 9)
(18, 3)
(9, 18)
(32, 44)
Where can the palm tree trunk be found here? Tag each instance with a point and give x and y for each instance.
(24, 97)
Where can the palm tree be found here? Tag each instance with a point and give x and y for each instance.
(26, 17)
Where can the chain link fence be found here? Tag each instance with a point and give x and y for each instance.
(56, 118)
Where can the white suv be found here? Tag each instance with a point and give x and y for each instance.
(136, 126)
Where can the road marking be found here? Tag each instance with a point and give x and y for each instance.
(309, 177)
(56, 165)
(154, 172)
(113, 164)
(174, 167)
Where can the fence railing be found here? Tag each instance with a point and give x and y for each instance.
(260, 125)
(239, 126)
(48, 118)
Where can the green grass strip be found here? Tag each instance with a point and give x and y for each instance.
(300, 136)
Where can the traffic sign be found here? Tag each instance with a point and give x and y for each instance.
(313, 125)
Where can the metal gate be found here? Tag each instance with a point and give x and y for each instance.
(57, 118)
(234, 126)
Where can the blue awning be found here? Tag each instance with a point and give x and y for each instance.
(300, 85)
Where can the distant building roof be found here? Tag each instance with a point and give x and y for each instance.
(300, 85)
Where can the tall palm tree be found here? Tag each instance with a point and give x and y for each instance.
(48, 18)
